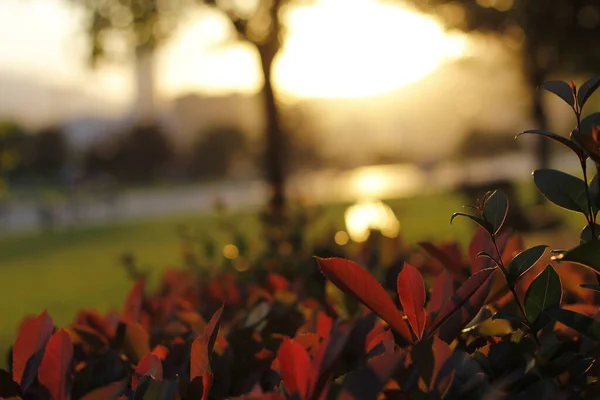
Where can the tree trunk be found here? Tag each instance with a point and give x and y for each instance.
(145, 107)
(275, 151)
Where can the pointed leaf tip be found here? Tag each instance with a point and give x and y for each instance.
(354, 280)
(411, 290)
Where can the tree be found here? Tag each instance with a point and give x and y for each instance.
(214, 153)
(143, 25)
(558, 37)
(261, 26)
(147, 23)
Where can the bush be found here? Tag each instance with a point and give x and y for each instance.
(504, 321)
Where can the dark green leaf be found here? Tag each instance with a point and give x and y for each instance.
(586, 254)
(562, 189)
(523, 261)
(590, 286)
(551, 135)
(581, 323)
(588, 123)
(488, 256)
(477, 220)
(545, 292)
(495, 210)
(151, 389)
(595, 194)
(561, 89)
(587, 89)
(586, 233)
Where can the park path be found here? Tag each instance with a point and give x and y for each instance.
(388, 181)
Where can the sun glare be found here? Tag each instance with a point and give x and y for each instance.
(358, 48)
(333, 49)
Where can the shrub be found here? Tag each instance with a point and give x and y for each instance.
(504, 321)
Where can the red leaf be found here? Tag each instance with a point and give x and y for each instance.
(411, 290)
(134, 302)
(446, 258)
(325, 360)
(207, 381)
(352, 279)
(443, 289)
(277, 283)
(324, 324)
(294, 367)
(471, 293)
(151, 365)
(202, 347)
(441, 353)
(32, 337)
(482, 242)
(55, 367)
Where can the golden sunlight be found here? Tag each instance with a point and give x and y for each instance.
(359, 48)
(366, 215)
(332, 49)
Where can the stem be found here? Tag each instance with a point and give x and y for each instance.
(592, 217)
(510, 285)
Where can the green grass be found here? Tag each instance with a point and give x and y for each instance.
(79, 268)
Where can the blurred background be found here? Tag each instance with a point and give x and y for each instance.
(121, 120)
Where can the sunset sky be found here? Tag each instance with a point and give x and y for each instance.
(371, 50)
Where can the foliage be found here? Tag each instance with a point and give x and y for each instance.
(503, 322)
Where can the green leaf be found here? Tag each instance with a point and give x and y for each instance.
(561, 89)
(544, 293)
(595, 194)
(590, 286)
(151, 389)
(495, 210)
(581, 323)
(587, 89)
(480, 221)
(562, 189)
(588, 123)
(586, 254)
(551, 135)
(586, 233)
(521, 263)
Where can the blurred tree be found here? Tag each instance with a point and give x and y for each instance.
(13, 141)
(215, 152)
(258, 22)
(145, 24)
(143, 154)
(555, 37)
(142, 25)
(49, 153)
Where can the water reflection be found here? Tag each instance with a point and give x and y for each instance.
(367, 215)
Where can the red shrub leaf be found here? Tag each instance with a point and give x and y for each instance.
(55, 367)
(446, 258)
(295, 368)
(476, 288)
(443, 288)
(134, 302)
(411, 290)
(441, 353)
(324, 324)
(207, 381)
(32, 337)
(151, 365)
(202, 347)
(353, 279)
